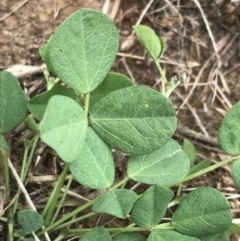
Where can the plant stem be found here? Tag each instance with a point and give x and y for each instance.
(208, 169)
(174, 202)
(29, 160)
(161, 72)
(124, 180)
(51, 204)
(3, 219)
(66, 217)
(124, 229)
(8, 190)
(111, 230)
(78, 210)
(62, 199)
(6, 173)
(75, 220)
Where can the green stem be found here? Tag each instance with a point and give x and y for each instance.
(26, 150)
(3, 219)
(110, 230)
(29, 160)
(78, 210)
(66, 224)
(10, 224)
(208, 169)
(124, 229)
(62, 199)
(8, 190)
(51, 204)
(6, 173)
(179, 190)
(129, 226)
(124, 180)
(66, 217)
(174, 202)
(161, 72)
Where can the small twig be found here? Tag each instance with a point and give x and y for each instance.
(31, 204)
(21, 71)
(19, 5)
(143, 13)
(213, 43)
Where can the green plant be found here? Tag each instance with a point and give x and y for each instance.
(97, 110)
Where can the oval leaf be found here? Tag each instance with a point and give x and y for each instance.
(30, 220)
(3, 144)
(83, 49)
(234, 229)
(166, 235)
(190, 150)
(149, 40)
(130, 237)
(204, 211)
(200, 166)
(13, 102)
(112, 82)
(117, 202)
(94, 168)
(165, 166)
(64, 127)
(97, 234)
(236, 173)
(37, 105)
(150, 208)
(216, 237)
(229, 132)
(136, 120)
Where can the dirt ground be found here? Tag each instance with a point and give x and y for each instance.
(202, 40)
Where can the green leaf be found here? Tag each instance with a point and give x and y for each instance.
(94, 168)
(13, 102)
(131, 236)
(19, 233)
(166, 235)
(150, 41)
(30, 220)
(83, 48)
(165, 166)
(150, 208)
(229, 132)
(117, 202)
(204, 211)
(3, 143)
(136, 120)
(215, 237)
(97, 234)
(38, 104)
(29, 239)
(43, 52)
(234, 229)
(200, 166)
(190, 150)
(64, 127)
(236, 173)
(112, 82)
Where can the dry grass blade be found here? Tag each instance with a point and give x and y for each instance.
(16, 6)
(31, 204)
(213, 43)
